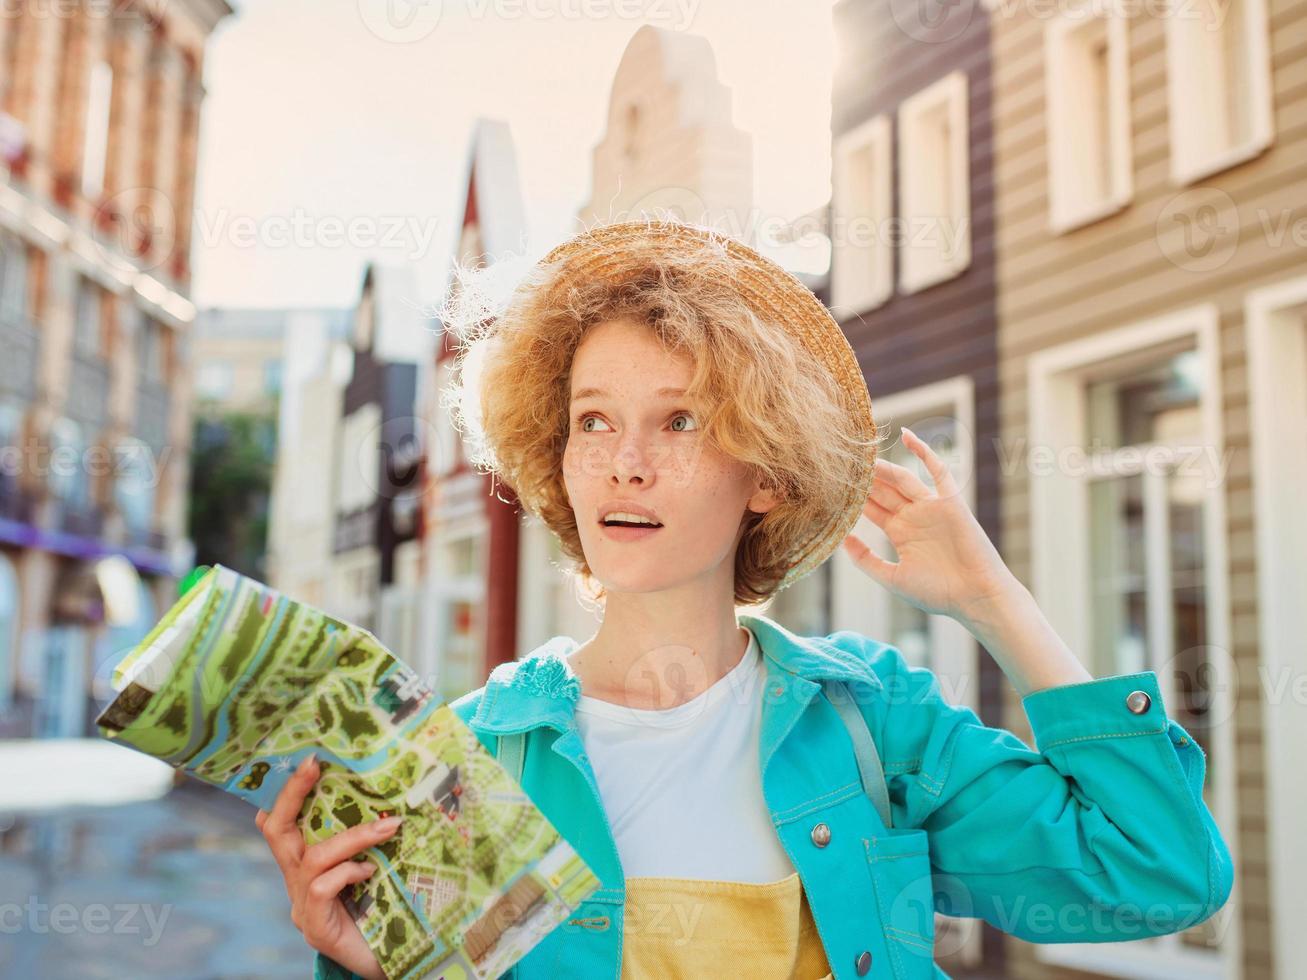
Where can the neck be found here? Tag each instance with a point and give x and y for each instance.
(643, 657)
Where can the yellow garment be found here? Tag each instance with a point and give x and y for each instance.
(690, 928)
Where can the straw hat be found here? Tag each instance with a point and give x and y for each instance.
(614, 251)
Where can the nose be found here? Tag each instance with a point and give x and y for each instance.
(631, 464)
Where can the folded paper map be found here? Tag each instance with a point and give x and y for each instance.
(237, 683)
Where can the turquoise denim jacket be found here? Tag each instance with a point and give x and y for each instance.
(1100, 835)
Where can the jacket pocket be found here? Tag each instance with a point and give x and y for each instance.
(899, 863)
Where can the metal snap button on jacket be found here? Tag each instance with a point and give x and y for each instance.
(821, 835)
(863, 963)
(1138, 701)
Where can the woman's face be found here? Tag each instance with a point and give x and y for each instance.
(633, 441)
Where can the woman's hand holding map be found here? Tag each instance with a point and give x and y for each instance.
(315, 875)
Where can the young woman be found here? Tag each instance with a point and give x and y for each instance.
(690, 422)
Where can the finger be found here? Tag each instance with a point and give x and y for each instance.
(876, 513)
(345, 845)
(936, 467)
(260, 818)
(326, 888)
(281, 823)
(885, 494)
(880, 570)
(903, 479)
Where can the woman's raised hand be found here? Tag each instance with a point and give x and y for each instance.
(947, 564)
(316, 875)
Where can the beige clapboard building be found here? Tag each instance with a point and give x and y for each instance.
(1151, 215)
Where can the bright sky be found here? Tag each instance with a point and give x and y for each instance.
(334, 132)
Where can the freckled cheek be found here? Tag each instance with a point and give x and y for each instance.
(583, 463)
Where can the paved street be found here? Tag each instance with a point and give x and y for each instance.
(181, 887)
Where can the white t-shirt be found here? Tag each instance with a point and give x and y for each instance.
(681, 785)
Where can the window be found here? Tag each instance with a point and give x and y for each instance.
(862, 275)
(272, 376)
(98, 89)
(11, 425)
(1218, 86)
(151, 339)
(1128, 553)
(11, 435)
(87, 318)
(942, 414)
(134, 484)
(463, 635)
(1088, 110)
(214, 380)
(69, 478)
(801, 607)
(934, 184)
(13, 277)
(9, 593)
(631, 134)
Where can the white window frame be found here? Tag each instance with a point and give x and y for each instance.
(862, 255)
(1275, 322)
(1071, 140)
(924, 262)
(1060, 568)
(857, 603)
(1195, 79)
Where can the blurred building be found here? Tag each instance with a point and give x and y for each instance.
(1150, 204)
(670, 142)
(345, 510)
(472, 600)
(239, 356)
(240, 359)
(377, 455)
(316, 358)
(99, 121)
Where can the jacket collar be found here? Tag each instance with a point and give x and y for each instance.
(542, 689)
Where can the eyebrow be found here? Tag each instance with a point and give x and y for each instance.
(600, 393)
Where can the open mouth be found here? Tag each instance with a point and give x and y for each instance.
(628, 530)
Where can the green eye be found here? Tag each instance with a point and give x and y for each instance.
(684, 415)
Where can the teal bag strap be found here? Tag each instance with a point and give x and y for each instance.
(864, 747)
(512, 753)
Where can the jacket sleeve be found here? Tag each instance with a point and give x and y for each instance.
(1100, 835)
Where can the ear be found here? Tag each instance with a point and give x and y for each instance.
(763, 501)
